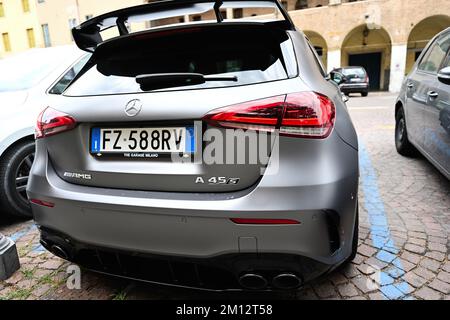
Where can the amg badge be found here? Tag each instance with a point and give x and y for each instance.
(74, 175)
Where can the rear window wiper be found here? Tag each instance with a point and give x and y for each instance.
(157, 81)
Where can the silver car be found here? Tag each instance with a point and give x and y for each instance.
(423, 107)
(216, 155)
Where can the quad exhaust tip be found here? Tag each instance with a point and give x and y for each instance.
(253, 281)
(287, 281)
(56, 249)
(60, 252)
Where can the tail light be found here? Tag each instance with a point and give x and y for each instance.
(303, 114)
(308, 115)
(261, 115)
(51, 122)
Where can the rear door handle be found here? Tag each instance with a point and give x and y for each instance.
(433, 94)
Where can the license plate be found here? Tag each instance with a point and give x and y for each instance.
(143, 140)
(355, 80)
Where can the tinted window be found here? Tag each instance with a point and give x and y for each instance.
(353, 71)
(253, 56)
(433, 59)
(67, 78)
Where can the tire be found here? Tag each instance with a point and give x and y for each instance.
(402, 144)
(15, 167)
(364, 94)
(355, 238)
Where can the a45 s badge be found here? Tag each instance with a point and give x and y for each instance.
(217, 180)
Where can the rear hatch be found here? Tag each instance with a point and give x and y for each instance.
(127, 138)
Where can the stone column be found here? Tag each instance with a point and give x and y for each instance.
(398, 66)
(333, 59)
(230, 14)
(186, 18)
(9, 259)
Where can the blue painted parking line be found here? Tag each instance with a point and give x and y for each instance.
(390, 279)
(21, 233)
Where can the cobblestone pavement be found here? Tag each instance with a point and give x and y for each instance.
(403, 242)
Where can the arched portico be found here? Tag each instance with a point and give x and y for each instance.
(421, 34)
(319, 44)
(371, 49)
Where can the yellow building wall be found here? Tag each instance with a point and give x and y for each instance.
(16, 22)
(58, 13)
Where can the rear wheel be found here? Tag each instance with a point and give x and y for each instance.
(364, 94)
(402, 144)
(15, 168)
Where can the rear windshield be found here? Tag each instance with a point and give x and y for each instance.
(252, 54)
(354, 71)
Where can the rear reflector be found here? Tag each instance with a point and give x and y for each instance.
(302, 114)
(42, 203)
(264, 221)
(51, 122)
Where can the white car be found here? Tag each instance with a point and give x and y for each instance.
(27, 81)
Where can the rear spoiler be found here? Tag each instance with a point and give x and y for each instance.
(87, 35)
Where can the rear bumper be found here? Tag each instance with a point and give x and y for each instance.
(219, 273)
(321, 194)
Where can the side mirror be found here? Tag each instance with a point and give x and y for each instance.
(444, 75)
(337, 77)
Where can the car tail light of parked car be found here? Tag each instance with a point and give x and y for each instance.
(303, 114)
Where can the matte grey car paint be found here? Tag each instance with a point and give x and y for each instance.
(424, 114)
(125, 207)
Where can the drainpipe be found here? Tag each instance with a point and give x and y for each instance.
(78, 12)
(9, 259)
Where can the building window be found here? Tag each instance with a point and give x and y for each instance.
(26, 5)
(6, 42)
(72, 23)
(2, 10)
(46, 34)
(197, 18)
(319, 50)
(31, 39)
(41, 1)
(301, 4)
(238, 13)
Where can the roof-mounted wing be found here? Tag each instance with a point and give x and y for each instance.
(88, 36)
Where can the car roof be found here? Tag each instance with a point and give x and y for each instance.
(354, 67)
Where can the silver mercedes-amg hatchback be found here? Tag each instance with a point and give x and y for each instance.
(214, 154)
